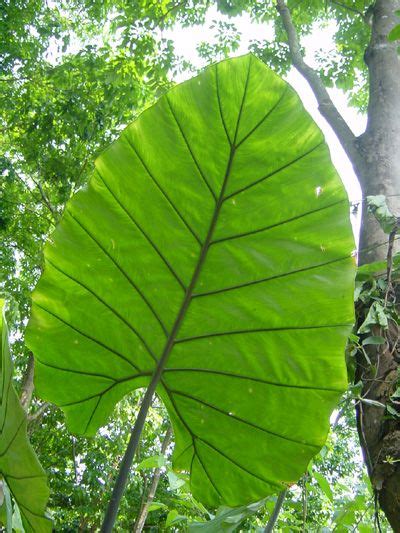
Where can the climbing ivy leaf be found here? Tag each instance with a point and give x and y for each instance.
(378, 206)
(376, 316)
(18, 463)
(213, 244)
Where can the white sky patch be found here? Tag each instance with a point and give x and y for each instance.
(186, 41)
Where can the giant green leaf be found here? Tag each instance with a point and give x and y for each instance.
(214, 243)
(18, 462)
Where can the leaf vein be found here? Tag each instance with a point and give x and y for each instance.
(270, 111)
(270, 278)
(114, 311)
(122, 271)
(205, 180)
(153, 245)
(274, 172)
(250, 378)
(96, 341)
(242, 420)
(179, 214)
(220, 105)
(258, 330)
(282, 223)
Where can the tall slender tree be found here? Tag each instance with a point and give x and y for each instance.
(375, 156)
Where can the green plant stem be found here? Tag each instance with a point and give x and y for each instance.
(274, 517)
(304, 505)
(112, 509)
(119, 487)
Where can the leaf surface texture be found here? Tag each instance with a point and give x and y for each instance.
(19, 465)
(213, 240)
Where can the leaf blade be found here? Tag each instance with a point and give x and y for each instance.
(19, 465)
(289, 268)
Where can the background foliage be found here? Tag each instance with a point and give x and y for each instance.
(72, 74)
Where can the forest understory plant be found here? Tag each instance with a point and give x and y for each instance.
(223, 353)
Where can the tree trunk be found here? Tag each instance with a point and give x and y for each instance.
(380, 144)
(375, 156)
(380, 174)
(27, 384)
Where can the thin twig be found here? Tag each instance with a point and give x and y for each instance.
(43, 196)
(19, 204)
(360, 519)
(45, 199)
(376, 514)
(367, 455)
(27, 384)
(74, 460)
(172, 8)
(389, 261)
(25, 252)
(304, 501)
(144, 510)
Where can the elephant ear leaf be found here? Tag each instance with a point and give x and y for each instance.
(19, 465)
(212, 250)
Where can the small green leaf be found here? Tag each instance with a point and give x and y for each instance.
(394, 34)
(17, 524)
(358, 290)
(323, 485)
(371, 269)
(376, 316)
(354, 338)
(175, 481)
(155, 506)
(174, 517)
(378, 206)
(373, 339)
(392, 411)
(374, 403)
(155, 461)
(6, 508)
(396, 394)
(227, 519)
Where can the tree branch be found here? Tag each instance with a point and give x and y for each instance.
(350, 8)
(325, 105)
(144, 511)
(38, 413)
(45, 199)
(169, 10)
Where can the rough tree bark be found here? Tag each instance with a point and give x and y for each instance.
(27, 384)
(380, 148)
(375, 156)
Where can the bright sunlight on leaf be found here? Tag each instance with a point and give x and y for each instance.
(213, 244)
(18, 463)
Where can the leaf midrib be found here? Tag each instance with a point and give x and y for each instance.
(204, 249)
